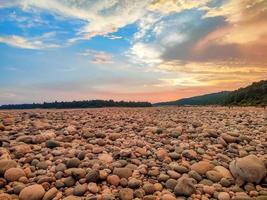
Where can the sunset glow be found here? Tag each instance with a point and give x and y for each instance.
(142, 50)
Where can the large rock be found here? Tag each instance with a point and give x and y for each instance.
(6, 164)
(13, 174)
(33, 192)
(185, 186)
(202, 167)
(249, 169)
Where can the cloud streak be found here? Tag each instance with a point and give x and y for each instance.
(26, 43)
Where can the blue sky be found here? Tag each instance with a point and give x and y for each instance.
(151, 50)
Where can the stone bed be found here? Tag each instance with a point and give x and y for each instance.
(134, 153)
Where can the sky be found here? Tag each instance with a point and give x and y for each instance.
(140, 50)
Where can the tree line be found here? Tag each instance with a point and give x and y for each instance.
(78, 104)
(253, 95)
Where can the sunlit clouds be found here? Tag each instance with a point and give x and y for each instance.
(153, 50)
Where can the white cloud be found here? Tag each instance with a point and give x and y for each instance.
(156, 34)
(145, 54)
(168, 6)
(97, 57)
(26, 43)
(101, 17)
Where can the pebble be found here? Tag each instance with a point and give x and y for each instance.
(33, 192)
(185, 186)
(14, 174)
(123, 172)
(92, 176)
(79, 190)
(126, 194)
(223, 196)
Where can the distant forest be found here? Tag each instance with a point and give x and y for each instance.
(255, 94)
(252, 95)
(78, 104)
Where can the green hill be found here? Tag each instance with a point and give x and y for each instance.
(208, 99)
(255, 94)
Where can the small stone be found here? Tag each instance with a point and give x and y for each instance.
(214, 176)
(42, 165)
(33, 192)
(81, 155)
(79, 190)
(193, 174)
(190, 154)
(4, 196)
(73, 163)
(92, 187)
(126, 194)
(149, 188)
(168, 197)
(163, 177)
(92, 176)
(123, 172)
(78, 173)
(50, 194)
(170, 184)
(139, 193)
(114, 136)
(223, 196)
(71, 197)
(208, 189)
(69, 181)
(19, 186)
(13, 174)
(202, 167)
(174, 155)
(113, 180)
(225, 173)
(6, 164)
(134, 183)
(51, 144)
(180, 169)
(61, 167)
(185, 186)
(162, 154)
(225, 182)
(107, 158)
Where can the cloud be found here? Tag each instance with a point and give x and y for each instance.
(145, 54)
(101, 17)
(168, 6)
(238, 10)
(210, 73)
(97, 57)
(26, 43)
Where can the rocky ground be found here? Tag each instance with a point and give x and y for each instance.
(134, 153)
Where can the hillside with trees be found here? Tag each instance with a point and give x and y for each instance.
(255, 94)
(252, 95)
(78, 104)
(207, 99)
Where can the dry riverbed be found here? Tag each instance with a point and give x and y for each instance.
(134, 153)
